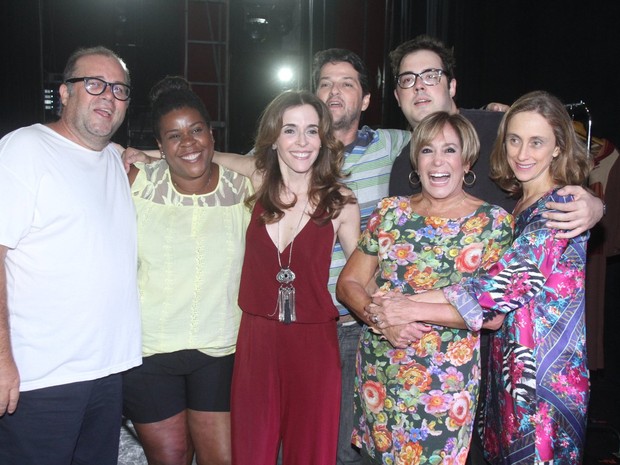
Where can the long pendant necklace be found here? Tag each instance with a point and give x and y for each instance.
(286, 276)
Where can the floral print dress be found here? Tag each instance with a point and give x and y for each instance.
(417, 405)
(538, 391)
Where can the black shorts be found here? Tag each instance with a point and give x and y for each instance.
(167, 384)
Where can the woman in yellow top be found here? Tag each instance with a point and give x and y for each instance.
(191, 240)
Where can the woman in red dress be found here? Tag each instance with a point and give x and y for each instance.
(286, 381)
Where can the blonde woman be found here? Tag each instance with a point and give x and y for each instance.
(415, 400)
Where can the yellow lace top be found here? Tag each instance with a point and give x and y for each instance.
(190, 252)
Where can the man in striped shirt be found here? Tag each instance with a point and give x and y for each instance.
(341, 81)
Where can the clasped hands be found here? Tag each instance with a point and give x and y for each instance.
(391, 315)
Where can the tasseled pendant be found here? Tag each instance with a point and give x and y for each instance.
(286, 304)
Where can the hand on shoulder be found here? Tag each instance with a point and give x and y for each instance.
(577, 216)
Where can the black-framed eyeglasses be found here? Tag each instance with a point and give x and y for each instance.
(430, 77)
(96, 86)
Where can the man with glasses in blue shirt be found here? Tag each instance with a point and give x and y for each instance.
(69, 316)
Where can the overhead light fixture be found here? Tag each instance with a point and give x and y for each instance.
(256, 21)
(265, 20)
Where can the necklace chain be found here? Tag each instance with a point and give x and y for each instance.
(176, 185)
(285, 305)
(428, 205)
(531, 199)
(290, 255)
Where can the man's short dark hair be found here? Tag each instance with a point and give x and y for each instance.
(424, 42)
(339, 55)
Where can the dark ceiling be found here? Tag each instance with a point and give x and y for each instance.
(503, 50)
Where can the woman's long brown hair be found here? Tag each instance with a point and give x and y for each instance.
(325, 184)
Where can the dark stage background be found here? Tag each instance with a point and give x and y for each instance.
(503, 50)
(230, 50)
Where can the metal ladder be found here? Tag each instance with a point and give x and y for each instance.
(206, 60)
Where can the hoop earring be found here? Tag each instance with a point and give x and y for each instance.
(415, 182)
(473, 181)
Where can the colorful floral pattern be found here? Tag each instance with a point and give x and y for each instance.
(416, 405)
(535, 409)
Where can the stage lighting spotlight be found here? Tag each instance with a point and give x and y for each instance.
(285, 74)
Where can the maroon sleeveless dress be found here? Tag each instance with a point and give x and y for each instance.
(286, 380)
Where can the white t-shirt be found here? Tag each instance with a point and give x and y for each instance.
(67, 217)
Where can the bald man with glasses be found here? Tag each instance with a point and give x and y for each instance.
(69, 316)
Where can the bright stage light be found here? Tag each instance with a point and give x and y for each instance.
(285, 74)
